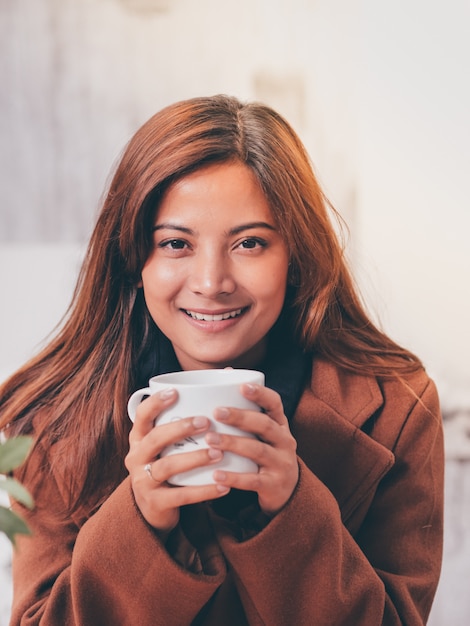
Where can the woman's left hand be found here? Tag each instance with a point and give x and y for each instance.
(274, 450)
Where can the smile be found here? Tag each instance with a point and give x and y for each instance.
(206, 317)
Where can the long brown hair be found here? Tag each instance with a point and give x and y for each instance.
(74, 392)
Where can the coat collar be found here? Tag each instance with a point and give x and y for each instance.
(354, 397)
(329, 427)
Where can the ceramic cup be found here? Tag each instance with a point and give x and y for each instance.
(199, 393)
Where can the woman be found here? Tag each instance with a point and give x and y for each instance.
(214, 249)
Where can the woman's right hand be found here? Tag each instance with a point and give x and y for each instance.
(158, 501)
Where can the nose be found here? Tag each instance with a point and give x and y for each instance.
(211, 275)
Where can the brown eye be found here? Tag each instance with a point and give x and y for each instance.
(174, 244)
(252, 242)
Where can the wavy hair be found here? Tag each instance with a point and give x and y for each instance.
(79, 383)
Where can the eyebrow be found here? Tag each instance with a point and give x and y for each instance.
(170, 226)
(233, 231)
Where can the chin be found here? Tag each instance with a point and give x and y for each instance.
(249, 358)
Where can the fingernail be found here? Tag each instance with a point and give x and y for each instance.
(222, 489)
(166, 394)
(214, 454)
(250, 389)
(213, 439)
(220, 476)
(222, 414)
(200, 422)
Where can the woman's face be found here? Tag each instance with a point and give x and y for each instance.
(215, 279)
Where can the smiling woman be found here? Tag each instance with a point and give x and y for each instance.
(213, 249)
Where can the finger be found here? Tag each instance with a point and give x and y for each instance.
(166, 467)
(259, 424)
(149, 409)
(268, 399)
(149, 447)
(273, 488)
(176, 497)
(242, 481)
(263, 454)
(160, 506)
(165, 435)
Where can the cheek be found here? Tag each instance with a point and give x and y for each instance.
(158, 278)
(270, 286)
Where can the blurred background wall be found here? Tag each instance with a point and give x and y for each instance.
(379, 92)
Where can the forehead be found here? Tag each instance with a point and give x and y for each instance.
(227, 190)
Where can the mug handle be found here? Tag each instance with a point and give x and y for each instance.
(135, 400)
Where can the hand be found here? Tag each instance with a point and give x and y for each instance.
(274, 450)
(159, 502)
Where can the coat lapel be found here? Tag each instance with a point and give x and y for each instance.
(327, 427)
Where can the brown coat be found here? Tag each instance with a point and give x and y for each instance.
(359, 543)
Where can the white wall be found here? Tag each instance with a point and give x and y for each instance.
(414, 210)
(37, 283)
(378, 91)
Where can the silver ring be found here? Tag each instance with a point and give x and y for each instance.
(148, 469)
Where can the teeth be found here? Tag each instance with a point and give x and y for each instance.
(213, 318)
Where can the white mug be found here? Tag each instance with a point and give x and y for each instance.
(199, 393)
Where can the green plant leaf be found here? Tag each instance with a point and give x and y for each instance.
(17, 491)
(12, 524)
(13, 452)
